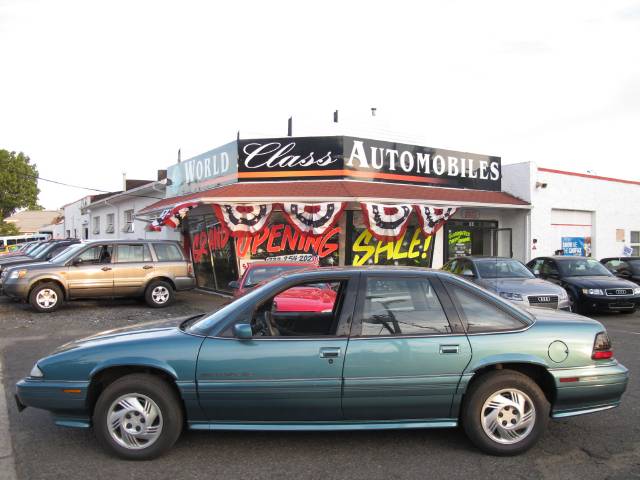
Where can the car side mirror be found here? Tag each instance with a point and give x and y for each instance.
(242, 331)
(234, 284)
(76, 262)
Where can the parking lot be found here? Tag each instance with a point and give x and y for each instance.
(606, 445)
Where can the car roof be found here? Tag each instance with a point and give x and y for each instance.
(485, 257)
(125, 241)
(620, 258)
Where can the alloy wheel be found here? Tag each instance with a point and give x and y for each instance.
(134, 421)
(160, 294)
(508, 416)
(47, 298)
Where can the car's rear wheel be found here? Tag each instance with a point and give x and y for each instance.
(138, 417)
(159, 294)
(504, 413)
(46, 297)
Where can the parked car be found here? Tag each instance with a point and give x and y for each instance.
(588, 283)
(151, 269)
(22, 250)
(258, 272)
(510, 279)
(401, 348)
(43, 252)
(624, 267)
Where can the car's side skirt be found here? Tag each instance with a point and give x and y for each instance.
(326, 426)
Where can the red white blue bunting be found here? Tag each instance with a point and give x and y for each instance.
(242, 218)
(432, 218)
(172, 217)
(386, 222)
(313, 218)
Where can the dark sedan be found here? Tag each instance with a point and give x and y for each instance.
(588, 283)
(624, 267)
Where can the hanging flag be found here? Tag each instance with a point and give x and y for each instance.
(433, 218)
(386, 222)
(242, 219)
(172, 217)
(313, 218)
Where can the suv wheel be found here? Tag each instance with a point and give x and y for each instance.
(46, 297)
(138, 417)
(505, 413)
(159, 294)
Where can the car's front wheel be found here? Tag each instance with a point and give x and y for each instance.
(138, 417)
(46, 297)
(505, 412)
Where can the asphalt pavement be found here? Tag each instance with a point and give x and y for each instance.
(604, 445)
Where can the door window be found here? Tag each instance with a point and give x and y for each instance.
(100, 254)
(406, 306)
(167, 252)
(481, 315)
(305, 310)
(133, 253)
(549, 267)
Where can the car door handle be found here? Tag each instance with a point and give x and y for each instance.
(445, 349)
(105, 269)
(147, 267)
(329, 352)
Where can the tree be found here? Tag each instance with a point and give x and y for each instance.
(18, 183)
(7, 228)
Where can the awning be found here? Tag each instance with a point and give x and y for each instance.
(342, 190)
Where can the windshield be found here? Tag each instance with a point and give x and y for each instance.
(203, 326)
(635, 265)
(67, 253)
(260, 274)
(582, 267)
(500, 268)
(38, 249)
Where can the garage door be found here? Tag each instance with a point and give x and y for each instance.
(571, 231)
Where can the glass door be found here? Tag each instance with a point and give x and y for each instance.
(502, 243)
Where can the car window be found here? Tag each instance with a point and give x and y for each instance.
(549, 267)
(451, 266)
(303, 310)
(97, 255)
(405, 306)
(167, 252)
(481, 315)
(536, 266)
(129, 253)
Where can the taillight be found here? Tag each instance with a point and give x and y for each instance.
(190, 269)
(602, 347)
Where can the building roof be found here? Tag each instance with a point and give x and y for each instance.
(343, 190)
(588, 175)
(154, 186)
(31, 221)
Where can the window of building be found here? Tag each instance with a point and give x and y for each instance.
(96, 225)
(110, 220)
(133, 253)
(402, 307)
(480, 315)
(128, 221)
(167, 252)
(635, 243)
(68, 233)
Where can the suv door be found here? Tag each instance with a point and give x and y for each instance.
(282, 377)
(132, 269)
(406, 353)
(90, 273)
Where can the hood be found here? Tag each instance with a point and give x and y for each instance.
(14, 258)
(599, 282)
(524, 286)
(153, 329)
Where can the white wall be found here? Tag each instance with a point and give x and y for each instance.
(610, 205)
(118, 205)
(75, 219)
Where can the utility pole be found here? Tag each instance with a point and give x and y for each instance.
(290, 127)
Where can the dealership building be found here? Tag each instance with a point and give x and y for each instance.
(345, 200)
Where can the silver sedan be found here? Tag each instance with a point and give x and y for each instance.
(510, 279)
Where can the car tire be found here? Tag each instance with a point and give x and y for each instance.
(491, 417)
(575, 303)
(46, 297)
(159, 294)
(147, 427)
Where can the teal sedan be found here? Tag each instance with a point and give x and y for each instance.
(395, 348)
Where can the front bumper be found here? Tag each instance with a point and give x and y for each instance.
(588, 389)
(16, 288)
(67, 401)
(608, 303)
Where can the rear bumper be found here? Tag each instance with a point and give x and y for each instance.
(185, 283)
(588, 390)
(66, 400)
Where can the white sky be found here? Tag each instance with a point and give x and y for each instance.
(91, 89)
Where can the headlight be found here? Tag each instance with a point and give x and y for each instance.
(563, 295)
(36, 372)
(511, 296)
(636, 291)
(592, 291)
(18, 274)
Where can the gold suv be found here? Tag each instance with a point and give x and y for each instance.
(153, 269)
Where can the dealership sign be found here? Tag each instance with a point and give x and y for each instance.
(337, 157)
